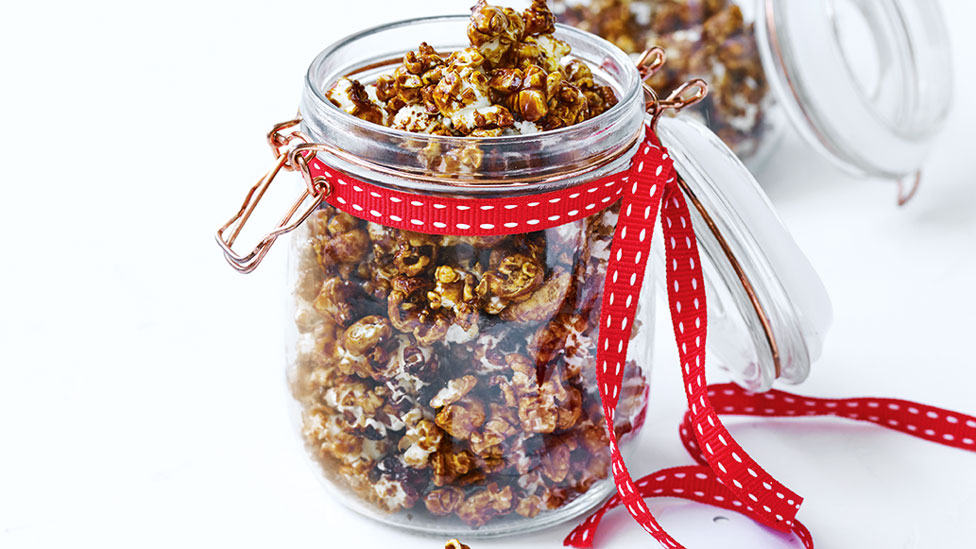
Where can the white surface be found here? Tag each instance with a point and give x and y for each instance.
(142, 400)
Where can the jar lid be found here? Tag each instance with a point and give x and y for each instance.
(768, 309)
(867, 83)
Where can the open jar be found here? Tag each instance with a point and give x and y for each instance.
(868, 84)
(446, 384)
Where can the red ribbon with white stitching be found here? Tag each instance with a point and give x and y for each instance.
(727, 476)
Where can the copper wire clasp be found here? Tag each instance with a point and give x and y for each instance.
(686, 95)
(283, 145)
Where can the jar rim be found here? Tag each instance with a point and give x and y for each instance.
(864, 131)
(595, 123)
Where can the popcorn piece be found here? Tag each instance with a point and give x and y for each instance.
(500, 426)
(419, 441)
(462, 418)
(481, 506)
(543, 303)
(338, 300)
(524, 89)
(398, 487)
(366, 334)
(529, 506)
(514, 279)
(539, 19)
(363, 348)
(444, 501)
(428, 309)
(410, 370)
(420, 69)
(355, 401)
(493, 30)
(462, 96)
(567, 104)
(566, 336)
(455, 390)
(488, 352)
(544, 50)
(556, 461)
(449, 464)
(599, 98)
(416, 118)
(350, 96)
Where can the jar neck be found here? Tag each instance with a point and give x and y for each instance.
(866, 83)
(518, 163)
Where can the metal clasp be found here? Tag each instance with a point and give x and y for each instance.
(684, 96)
(317, 189)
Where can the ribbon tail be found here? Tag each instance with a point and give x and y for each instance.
(930, 423)
(626, 267)
(775, 505)
(694, 483)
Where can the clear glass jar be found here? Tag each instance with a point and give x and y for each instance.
(868, 84)
(446, 385)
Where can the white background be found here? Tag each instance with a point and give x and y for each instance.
(142, 400)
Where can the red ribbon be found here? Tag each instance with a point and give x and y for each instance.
(727, 476)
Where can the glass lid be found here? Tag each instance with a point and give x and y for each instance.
(868, 83)
(768, 309)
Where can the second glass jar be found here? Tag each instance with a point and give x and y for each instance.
(867, 84)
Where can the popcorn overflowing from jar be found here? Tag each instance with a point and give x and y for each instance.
(514, 79)
(707, 39)
(453, 375)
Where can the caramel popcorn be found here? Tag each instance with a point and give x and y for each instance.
(462, 418)
(419, 441)
(403, 410)
(449, 464)
(514, 78)
(703, 39)
(483, 505)
(454, 375)
(454, 391)
(494, 30)
(352, 97)
(444, 501)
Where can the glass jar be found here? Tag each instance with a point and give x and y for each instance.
(868, 84)
(446, 384)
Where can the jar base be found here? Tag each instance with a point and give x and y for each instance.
(443, 527)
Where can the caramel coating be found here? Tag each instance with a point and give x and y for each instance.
(483, 505)
(351, 96)
(462, 418)
(444, 501)
(538, 19)
(493, 30)
(473, 367)
(515, 77)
